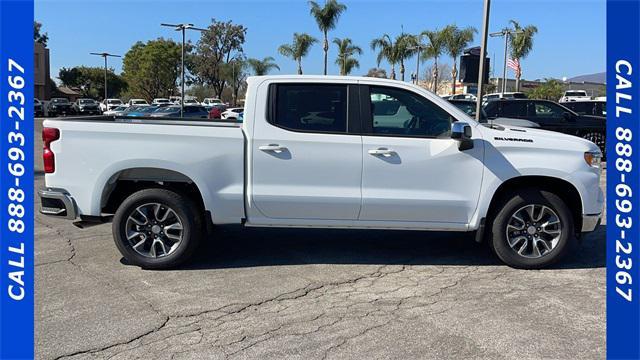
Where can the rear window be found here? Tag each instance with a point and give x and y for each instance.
(583, 108)
(311, 107)
(575, 93)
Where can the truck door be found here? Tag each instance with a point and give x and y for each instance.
(412, 170)
(307, 155)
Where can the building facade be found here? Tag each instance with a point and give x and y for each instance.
(42, 76)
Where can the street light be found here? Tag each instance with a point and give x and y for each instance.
(105, 56)
(419, 48)
(183, 28)
(483, 56)
(505, 33)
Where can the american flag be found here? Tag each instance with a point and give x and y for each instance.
(514, 64)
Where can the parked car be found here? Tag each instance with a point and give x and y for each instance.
(209, 102)
(232, 113)
(215, 113)
(137, 102)
(117, 111)
(305, 158)
(142, 111)
(38, 107)
(574, 95)
(551, 116)
(109, 104)
(161, 101)
(190, 101)
(469, 107)
(190, 111)
(463, 97)
(86, 107)
(505, 95)
(588, 107)
(60, 106)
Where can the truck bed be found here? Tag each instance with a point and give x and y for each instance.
(94, 152)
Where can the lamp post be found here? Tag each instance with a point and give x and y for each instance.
(183, 28)
(419, 49)
(505, 33)
(105, 56)
(483, 56)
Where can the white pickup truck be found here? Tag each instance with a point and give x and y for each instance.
(324, 152)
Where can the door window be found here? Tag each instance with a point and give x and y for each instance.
(400, 112)
(516, 109)
(311, 108)
(548, 110)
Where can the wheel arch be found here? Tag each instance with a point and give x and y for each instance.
(560, 187)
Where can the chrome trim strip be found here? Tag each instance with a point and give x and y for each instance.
(67, 201)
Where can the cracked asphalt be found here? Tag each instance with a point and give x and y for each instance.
(313, 294)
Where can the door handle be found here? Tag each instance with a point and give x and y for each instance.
(381, 151)
(272, 147)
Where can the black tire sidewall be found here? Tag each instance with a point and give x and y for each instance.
(516, 201)
(184, 209)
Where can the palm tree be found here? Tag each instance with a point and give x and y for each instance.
(386, 52)
(434, 50)
(262, 67)
(327, 19)
(298, 49)
(345, 59)
(520, 45)
(456, 41)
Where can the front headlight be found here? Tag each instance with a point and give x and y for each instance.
(593, 158)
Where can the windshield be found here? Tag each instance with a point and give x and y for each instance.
(114, 102)
(575, 93)
(86, 101)
(138, 102)
(161, 101)
(59, 101)
(469, 108)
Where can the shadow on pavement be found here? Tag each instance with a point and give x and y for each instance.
(235, 247)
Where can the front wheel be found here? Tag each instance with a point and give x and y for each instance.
(532, 229)
(157, 228)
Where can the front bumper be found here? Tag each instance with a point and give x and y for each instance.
(590, 222)
(56, 202)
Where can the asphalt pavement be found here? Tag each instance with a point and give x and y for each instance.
(313, 294)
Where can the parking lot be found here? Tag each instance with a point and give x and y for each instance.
(313, 294)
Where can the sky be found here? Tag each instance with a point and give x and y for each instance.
(570, 39)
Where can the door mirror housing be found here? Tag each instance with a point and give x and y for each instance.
(461, 132)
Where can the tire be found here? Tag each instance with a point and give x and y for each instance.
(509, 235)
(599, 139)
(153, 240)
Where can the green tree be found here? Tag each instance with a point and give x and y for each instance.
(386, 51)
(152, 69)
(346, 51)
(376, 73)
(262, 67)
(298, 49)
(521, 44)
(327, 18)
(217, 46)
(435, 48)
(235, 73)
(456, 40)
(90, 81)
(38, 35)
(551, 89)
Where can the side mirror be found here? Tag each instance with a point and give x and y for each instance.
(461, 132)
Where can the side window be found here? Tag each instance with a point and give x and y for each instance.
(311, 107)
(516, 109)
(400, 112)
(491, 109)
(548, 110)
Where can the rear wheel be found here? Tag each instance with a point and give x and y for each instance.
(157, 228)
(532, 229)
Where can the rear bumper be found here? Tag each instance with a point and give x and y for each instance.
(56, 202)
(590, 222)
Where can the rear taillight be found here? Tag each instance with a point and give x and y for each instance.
(48, 136)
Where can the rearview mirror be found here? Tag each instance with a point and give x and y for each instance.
(461, 132)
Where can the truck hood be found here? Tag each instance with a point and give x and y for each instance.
(544, 141)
